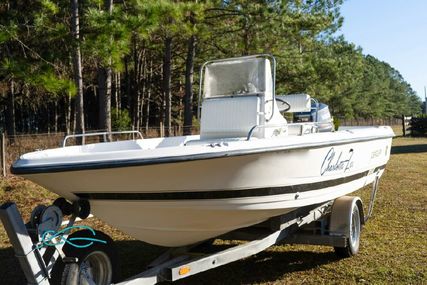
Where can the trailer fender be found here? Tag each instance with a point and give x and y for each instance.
(341, 214)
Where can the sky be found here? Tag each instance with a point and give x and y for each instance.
(394, 31)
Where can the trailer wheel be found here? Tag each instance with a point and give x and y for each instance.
(70, 276)
(96, 264)
(353, 239)
(346, 219)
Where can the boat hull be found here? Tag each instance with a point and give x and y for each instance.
(181, 203)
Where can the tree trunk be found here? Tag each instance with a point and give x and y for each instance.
(143, 91)
(136, 100)
(167, 85)
(47, 119)
(10, 112)
(56, 116)
(21, 114)
(117, 96)
(104, 84)
(118, 92)
(246, 37)
(148, 103)
(77, 68)
(160, 104)
(67, 103)
(126, 104)
(104, 99)
(188, 97)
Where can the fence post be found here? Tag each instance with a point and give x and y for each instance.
(403, 126)
(3, 154)
(162, 130)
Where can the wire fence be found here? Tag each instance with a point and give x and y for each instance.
(12, 147)
(392, 121)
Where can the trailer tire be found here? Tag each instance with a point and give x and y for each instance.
(70, 275)
(353, 240)
(99, 259)
(346, 221)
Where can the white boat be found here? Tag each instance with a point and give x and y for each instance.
(247, 165)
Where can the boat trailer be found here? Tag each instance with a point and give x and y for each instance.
(335, 223)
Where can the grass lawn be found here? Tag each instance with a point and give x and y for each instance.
(393, 243)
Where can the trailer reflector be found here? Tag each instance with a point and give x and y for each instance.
(184, 270)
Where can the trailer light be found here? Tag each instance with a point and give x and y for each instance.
(184, 270)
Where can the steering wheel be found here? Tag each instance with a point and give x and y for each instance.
(284, 102)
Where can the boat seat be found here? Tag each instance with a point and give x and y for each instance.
(297, 103)
(230, 116)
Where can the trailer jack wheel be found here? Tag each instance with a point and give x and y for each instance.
(83, 209)
(64, 205)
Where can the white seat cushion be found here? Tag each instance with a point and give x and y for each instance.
(226, 117)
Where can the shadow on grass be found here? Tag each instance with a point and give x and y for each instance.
(267, 266)
(416, 148)
(10, 270)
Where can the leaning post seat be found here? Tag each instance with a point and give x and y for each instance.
(232, 116)
(237, 95)
(295, 102)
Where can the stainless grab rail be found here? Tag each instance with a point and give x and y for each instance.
(100, 134)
